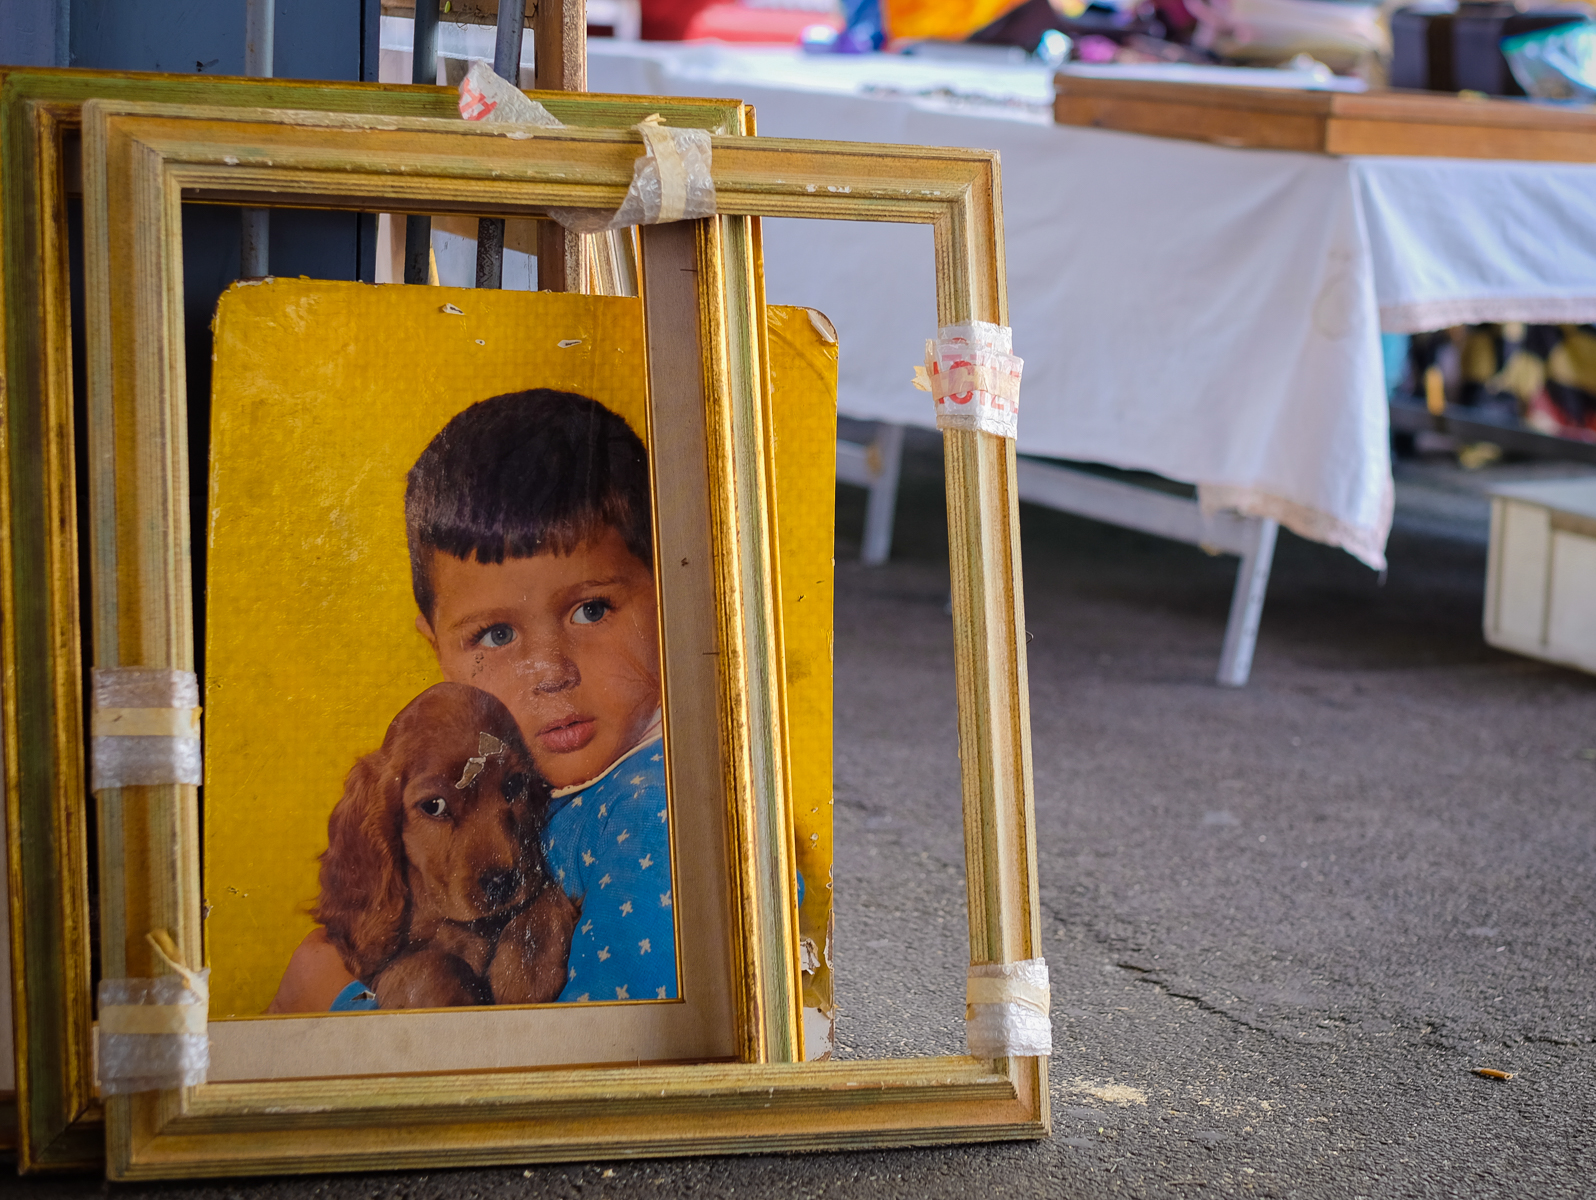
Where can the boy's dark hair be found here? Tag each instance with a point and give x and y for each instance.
(522, 473)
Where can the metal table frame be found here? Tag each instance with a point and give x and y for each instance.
(875, 466)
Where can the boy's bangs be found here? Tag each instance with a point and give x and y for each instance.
(524, 474)
(562, 535)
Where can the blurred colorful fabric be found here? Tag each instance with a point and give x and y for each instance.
(944, 20)
(667, 20)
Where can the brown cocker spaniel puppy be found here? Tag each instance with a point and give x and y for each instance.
(433, 886)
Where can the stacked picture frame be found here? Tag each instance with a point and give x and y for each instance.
(148, 148)
(59, 1123)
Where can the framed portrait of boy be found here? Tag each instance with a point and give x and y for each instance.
(435, 720)
(480, 576)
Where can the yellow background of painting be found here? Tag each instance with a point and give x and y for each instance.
(323, 395)
(803, 376)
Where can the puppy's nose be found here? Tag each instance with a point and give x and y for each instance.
(498, 886)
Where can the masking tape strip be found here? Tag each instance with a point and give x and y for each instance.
(1006, 1010)
(986, 990)
(152, 1018)
(670, 182)
(146, 722)
(973, 377)
(152, 1032)
(672, 171)
(144, 728)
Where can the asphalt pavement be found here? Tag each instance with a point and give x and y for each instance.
(1287, 924)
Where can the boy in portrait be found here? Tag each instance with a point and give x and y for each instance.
(529, 521)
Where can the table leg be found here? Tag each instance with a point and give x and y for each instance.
(875, 468)
(1246, 603)
(887, 455)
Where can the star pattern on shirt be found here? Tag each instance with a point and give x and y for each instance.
(612, 846)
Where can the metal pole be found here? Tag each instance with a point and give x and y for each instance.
(507, 42)
(423, 69)
(507, 66)
(260, 34)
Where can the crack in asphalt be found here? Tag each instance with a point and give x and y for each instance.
(1146, 976)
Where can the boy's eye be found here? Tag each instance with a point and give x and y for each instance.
(434, 807)
(495, 636)
(590, 613)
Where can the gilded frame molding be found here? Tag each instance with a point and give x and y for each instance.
(519, 1116)
(58, 1117)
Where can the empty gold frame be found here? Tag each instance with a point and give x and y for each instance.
(703, 318)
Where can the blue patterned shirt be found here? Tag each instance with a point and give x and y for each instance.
(609, 846)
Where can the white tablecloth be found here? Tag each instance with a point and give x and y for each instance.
(1212, 315)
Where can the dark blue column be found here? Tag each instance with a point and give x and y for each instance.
(315, 39)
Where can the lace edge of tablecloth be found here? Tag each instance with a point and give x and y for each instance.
(1423, 316)
(1364, 543)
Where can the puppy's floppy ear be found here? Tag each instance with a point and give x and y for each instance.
(364, 896)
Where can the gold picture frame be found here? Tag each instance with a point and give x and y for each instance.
(140, 162)
(58, 1116)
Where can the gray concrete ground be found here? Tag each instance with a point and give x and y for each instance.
(1285, 924)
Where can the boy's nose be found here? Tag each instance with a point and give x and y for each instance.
(552, 671)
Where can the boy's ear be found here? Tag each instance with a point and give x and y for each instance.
(424, 628)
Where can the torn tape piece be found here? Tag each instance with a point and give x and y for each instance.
(473, 768)
(152, 1032)
(484, 96)
(1006, 1010)
(973, 377)
(144, 729)
(672, 181)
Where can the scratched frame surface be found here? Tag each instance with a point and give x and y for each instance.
(140, 162)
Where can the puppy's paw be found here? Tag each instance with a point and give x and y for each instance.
(528, 964)
(429, 979)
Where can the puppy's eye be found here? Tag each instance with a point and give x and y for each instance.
(434, 807)
(515, 787)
